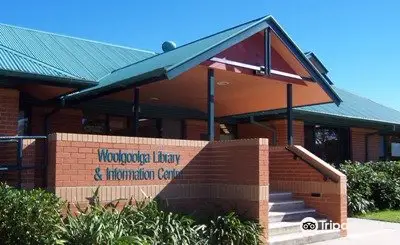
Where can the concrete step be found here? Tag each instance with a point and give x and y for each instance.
(280, 196)
(294, 215)
(286, 227)
(304, 237)
(280, 228)
(283, 206)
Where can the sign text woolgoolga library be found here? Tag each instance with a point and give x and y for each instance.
(138, 159)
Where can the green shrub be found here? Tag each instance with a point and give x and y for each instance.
(372, 186)
(97, 226)
(142, 223)
(229, 229)
(166, 227)
(34, 217)
(29, 217)
(359, 188)
(386, 185)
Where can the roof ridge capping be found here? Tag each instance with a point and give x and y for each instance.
(76, 38)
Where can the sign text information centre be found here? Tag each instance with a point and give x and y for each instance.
(137, 161)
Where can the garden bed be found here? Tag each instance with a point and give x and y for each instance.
(35, 217)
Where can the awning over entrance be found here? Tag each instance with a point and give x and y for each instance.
(252, 63)
(235, 93)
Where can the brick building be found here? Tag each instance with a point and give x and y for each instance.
(237, 110)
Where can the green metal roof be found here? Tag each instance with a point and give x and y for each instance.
(159, 65)
(354, 107)
(11, 60)
(170, 64)
(108, 68)
(47, 54)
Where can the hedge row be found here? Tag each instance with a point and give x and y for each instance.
(34, 217)
(372, 186)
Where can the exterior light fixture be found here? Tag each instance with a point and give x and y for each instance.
(223, 83)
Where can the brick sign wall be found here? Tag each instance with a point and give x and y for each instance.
(191, 175)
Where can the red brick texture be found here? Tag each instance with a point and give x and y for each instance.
(244, 163)
(63, 121)
(246, 131)
(298, 132)
(251, 131)
(288, 173)
(223, 175)
(197, 130)
(9, 109)
(358, 137)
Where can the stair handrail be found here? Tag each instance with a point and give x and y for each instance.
(317, 163)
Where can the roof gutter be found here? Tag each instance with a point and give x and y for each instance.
(49, 80)
(300, 112)
(99, 91)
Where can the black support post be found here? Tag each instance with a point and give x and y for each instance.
(267, 49)
(289, 114)
(136, 109)
(210, 104)
(19, 162)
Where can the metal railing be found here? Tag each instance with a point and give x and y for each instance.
(18, 165)
(326, 170)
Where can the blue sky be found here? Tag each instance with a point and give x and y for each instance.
(358, 41)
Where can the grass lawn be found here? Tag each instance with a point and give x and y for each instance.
(389, 216)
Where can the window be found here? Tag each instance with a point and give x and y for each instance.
(329, 143)
(23, 123)
(395, 149)
(94, 124)
(118, 125)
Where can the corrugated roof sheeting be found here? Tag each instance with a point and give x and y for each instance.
(356, 107)
(12, 61)
(175, 56)
(88, 60)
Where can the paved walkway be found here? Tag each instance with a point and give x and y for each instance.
(364, 232)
